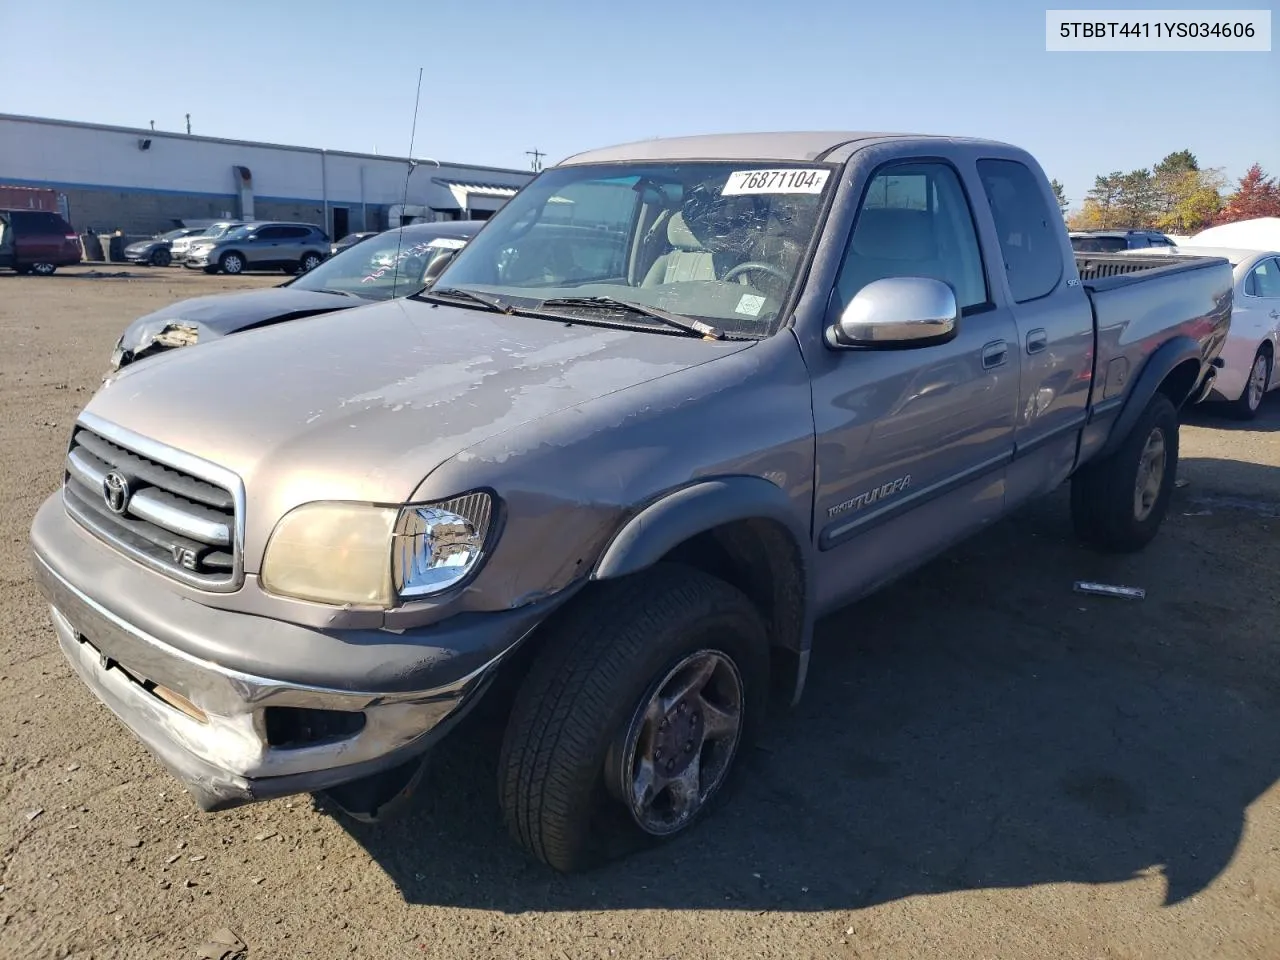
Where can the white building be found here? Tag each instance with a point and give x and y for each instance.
(146, 181)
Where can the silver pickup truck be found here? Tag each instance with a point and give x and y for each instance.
(674, 402)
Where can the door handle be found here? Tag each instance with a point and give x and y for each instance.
(994, 354)
(1037, 340)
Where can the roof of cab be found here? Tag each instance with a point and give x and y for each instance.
(790, 145)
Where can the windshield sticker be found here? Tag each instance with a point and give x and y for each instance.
(775, 181)
(750, 304)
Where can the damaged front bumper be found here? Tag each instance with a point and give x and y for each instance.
(233, 735)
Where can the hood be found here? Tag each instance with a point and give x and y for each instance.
(141, 245)
(219, 314)
(364, 404)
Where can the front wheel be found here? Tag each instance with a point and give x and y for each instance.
(43, 269)
(1255, 387)
(1118, 504)
(231, 264)
(161, 258)
(628, 726)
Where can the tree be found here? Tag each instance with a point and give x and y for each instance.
(1101, 200)
(1192, 200)
(1060, 195)
(1137, 200)
(1257, 195)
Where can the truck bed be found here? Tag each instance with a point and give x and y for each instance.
(1121, 269)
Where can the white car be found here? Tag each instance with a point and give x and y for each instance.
(1253, 342)
(181, 248)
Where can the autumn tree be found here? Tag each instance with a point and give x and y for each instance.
(1257, 195)
(1102, 200)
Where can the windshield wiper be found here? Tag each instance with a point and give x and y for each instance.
(448, 294)
(686, 324)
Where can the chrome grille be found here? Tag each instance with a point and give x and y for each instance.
(165, 517)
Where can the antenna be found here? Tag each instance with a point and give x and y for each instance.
(537, 155)
(413, 134)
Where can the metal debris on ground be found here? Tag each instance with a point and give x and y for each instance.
(223, 945)
(33, 814)
(1109, 590)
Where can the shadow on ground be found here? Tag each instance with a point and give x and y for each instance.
(978, 725)
(1214, 416)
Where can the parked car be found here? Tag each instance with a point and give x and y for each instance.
(1248, 369)
(293, 561)
(156, 250)
(359, 275)
(292, 247)
(350, 240)
(1113, 241)
(37, 241)
(180, 248)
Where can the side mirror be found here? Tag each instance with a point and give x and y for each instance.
(897, 313)
(436, 267)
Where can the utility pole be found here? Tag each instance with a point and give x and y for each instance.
(537, 155)
(153, 124)
(188, 123)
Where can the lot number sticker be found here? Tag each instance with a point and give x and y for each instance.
(775, 181)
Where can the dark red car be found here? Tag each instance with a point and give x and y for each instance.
(36, 241)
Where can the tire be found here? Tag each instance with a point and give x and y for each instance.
(572, 739)
(161, 258)
(1107, 508)
(1255, 387)
(43, 269)
(231, 264)
(310, 260)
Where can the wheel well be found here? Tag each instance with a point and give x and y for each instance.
(1268, 349)
(759, 557)
(1180, 381)
(762, 559)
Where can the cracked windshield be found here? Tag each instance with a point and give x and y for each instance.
(715, 243)
(381, 267)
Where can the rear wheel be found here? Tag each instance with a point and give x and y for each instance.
(231, 263)
(43, 269)
(1255, 387)
(161, 258)
(1118, 504)
(633, 716)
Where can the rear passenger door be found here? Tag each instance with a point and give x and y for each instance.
(292, 243)
(1054, 321)
(912, 444)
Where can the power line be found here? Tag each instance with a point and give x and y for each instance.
(537, 159)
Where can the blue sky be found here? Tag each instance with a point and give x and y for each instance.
(503, 78)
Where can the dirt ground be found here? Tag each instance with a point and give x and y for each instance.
(986, 764)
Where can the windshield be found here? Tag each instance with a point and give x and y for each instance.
(389, 264)
(721, 243)
(174, 234)
(218, 229)
(233, 233)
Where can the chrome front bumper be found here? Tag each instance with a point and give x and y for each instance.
(209, 723)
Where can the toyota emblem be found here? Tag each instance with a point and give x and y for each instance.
(116, 492)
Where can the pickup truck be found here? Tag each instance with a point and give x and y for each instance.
(608, 489)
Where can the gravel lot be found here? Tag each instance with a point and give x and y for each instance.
(986, 764)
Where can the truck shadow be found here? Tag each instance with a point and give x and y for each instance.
(978, 725)
(1212, 416)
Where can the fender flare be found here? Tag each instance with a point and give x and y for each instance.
(702, 506)
(1166, 358)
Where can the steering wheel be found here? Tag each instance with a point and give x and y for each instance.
(751, 265)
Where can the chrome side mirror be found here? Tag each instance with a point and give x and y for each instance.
(895, 313)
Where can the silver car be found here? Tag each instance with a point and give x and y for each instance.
(181, 247)
(291, 247)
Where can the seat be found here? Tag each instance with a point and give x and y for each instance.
(688, 260)
(891, 242)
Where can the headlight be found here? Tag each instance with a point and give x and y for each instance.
(367, 555)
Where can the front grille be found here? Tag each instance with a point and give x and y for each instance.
(166, 518)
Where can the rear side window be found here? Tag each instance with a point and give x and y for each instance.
(35, 221)
(294, 233)
(1264, 281)
(1027, 227)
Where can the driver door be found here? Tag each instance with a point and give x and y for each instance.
(912, 444)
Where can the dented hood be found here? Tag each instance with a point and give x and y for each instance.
(217, 315)
(363, 404)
